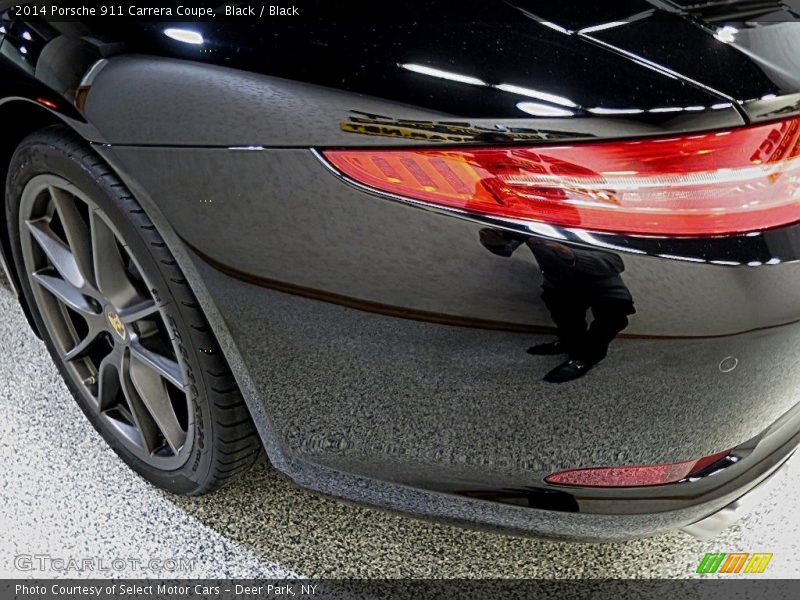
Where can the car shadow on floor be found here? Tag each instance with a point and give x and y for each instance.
(317, 536)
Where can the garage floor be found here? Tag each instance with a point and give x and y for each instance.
(64, 493)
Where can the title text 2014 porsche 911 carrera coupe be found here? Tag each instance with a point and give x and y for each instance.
(523, 264)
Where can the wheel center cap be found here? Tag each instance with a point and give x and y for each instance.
(117, 326)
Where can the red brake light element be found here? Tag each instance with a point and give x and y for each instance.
(713, 183)
(634, 476)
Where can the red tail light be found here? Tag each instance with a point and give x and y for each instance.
(634, 476)
(712, 183)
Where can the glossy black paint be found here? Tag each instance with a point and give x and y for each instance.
(682, 46)
(381, 344)
(237, 108)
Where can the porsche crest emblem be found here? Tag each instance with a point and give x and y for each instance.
(116, 324)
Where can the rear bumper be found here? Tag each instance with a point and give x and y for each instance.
(381, 347)
(356, 405)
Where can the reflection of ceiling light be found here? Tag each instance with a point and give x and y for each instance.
(2, 28)
(23, 50)
(731, 263)
(552, 25)
(186, 36)
(602, 27)
(546, 230)
(616, 111)
(433, 72)
(726, 34)
(666, 109)
(595, 241)
(683, 258)
(543, 110)
(515, 89)
(26, 36)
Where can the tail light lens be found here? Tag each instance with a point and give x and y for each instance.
(634, 476)
(712, 183)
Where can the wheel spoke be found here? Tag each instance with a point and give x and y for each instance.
(137, 312)
(80, 349)
(109, 268)
(154, 395)
(66, 292)
(148, 429)
(57, 251)
(76, 230)
(163, 366)
(108, 382)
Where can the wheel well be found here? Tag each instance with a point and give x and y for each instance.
(19, 118)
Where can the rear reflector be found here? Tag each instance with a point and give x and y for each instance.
(714, 183)
(634, 476)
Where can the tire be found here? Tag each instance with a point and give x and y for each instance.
(139, 356)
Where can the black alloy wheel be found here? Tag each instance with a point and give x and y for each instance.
(120, 320)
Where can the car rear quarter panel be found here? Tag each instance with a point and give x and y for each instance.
(708, 361)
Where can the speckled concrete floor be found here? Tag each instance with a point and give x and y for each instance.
(65, 494)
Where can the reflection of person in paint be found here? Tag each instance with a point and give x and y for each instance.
(574, 281)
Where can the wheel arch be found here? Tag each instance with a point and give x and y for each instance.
(185, 258)
(20, 118)
(26, 117)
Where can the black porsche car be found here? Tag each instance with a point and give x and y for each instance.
(522, 264)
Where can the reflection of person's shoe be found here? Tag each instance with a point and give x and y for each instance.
(548, 349)
(567, 371)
